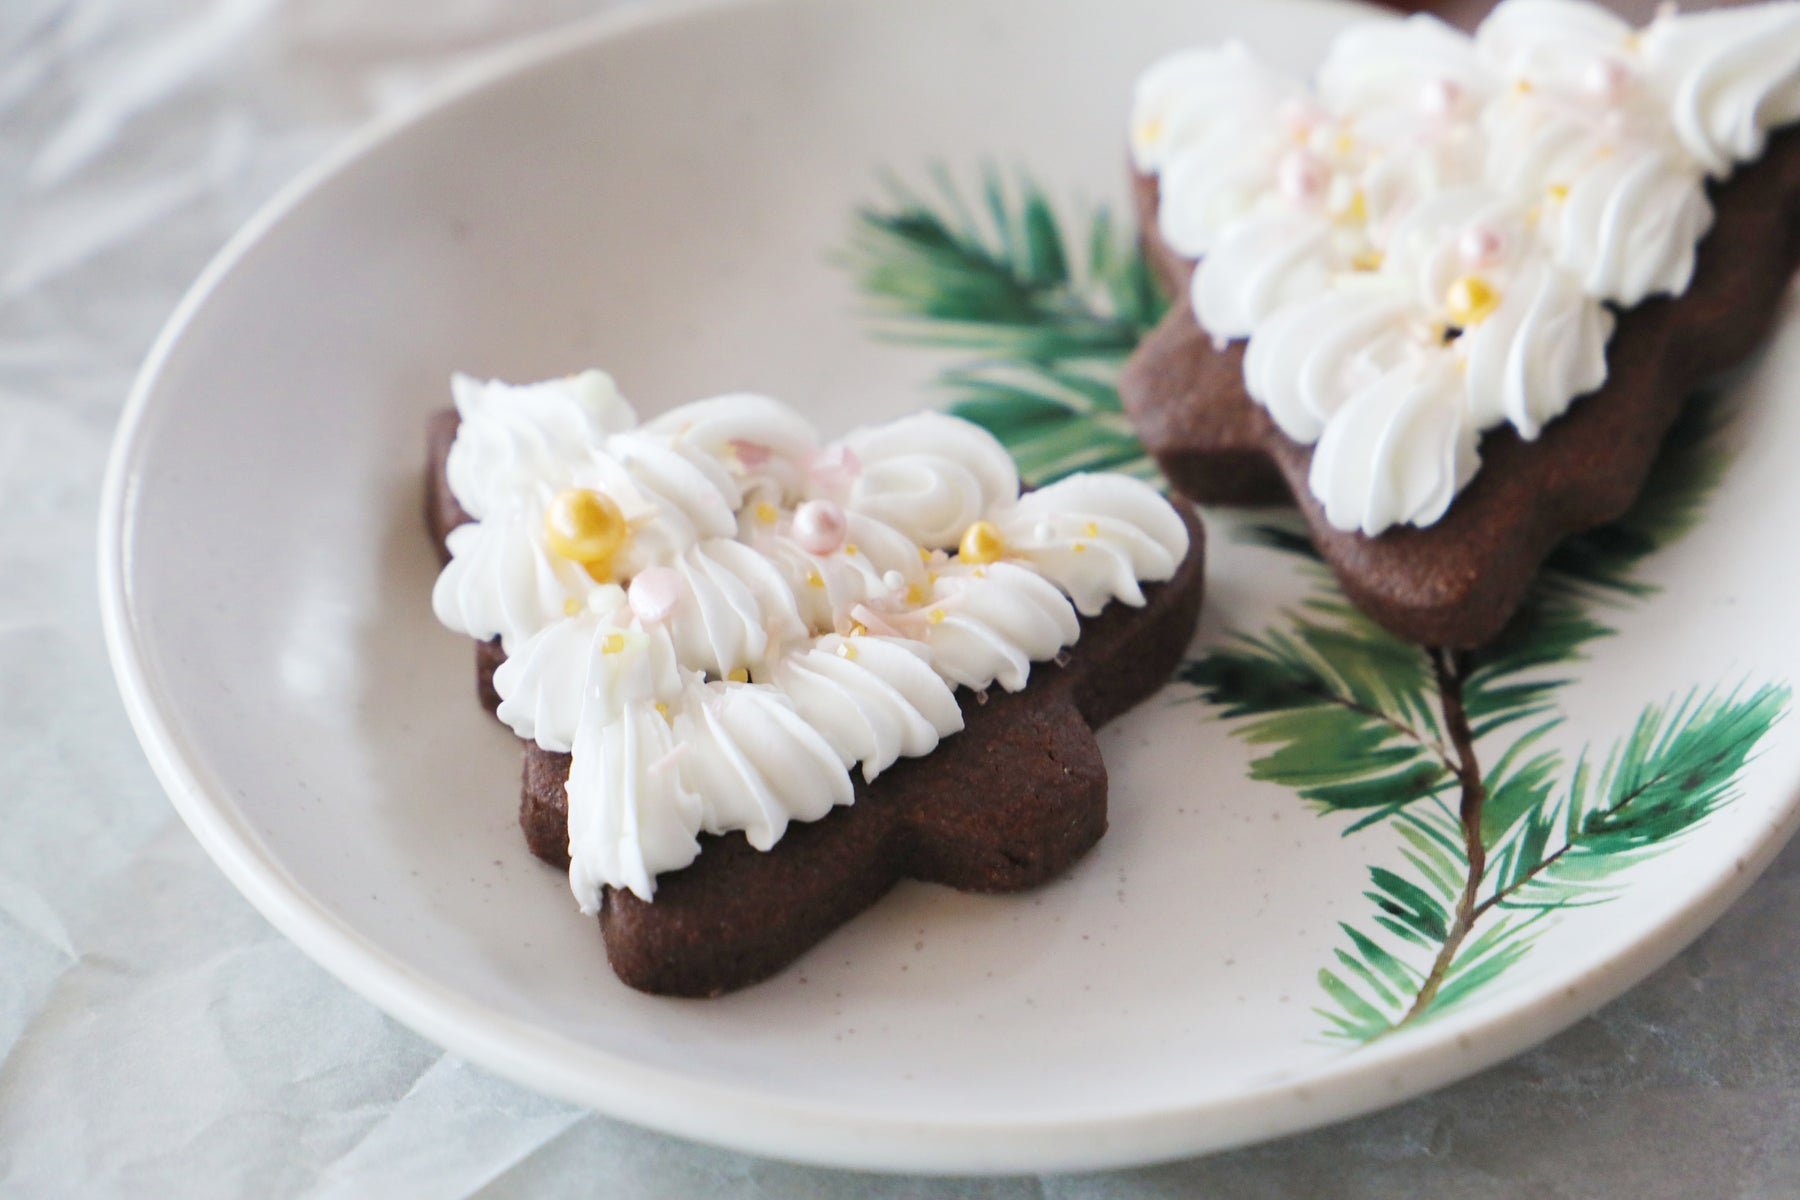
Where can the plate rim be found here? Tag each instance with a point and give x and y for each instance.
(741, 1118)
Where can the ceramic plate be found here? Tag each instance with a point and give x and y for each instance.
(865, 207)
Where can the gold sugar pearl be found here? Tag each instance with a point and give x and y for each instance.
(1471, 300)
(982, 544)
(585, 526)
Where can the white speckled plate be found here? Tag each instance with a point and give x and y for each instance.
(663, 196)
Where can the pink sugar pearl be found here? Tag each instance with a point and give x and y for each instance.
(654, 594)
(1440, 97)
(820, 526)
(1481, 246)
(1302, 177)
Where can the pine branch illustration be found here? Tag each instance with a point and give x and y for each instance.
(1452, 672)
(1005, 280)
(1676, 768)
(1055, 419)
(1346, 707)
(1049, 316)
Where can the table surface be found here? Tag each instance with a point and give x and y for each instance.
(134, 137)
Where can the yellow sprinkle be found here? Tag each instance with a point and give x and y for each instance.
(738, 675)
(1471, 300)
(915, 594)
(1368, 260)
(1093, 529)
(663, 709)
(936, 616)
(931, 577)
(924, 555)
(1345, 143)
(1523, 87)
(614, 643)
(1150, 131)
(585, 526)
(1559, 191)
(814, 579)
(850, 549)
(766, 513)
(858, 629)
(982, 544)
(1080, 547)
(846, 650)
(572, 607)
(1357, 211)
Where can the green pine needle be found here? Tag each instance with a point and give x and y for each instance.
(1676, 768)
(1346, 707)
(1050, 317)
(1009, 281)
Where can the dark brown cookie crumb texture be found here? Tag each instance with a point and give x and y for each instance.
(1010, 802)
(1456, 583)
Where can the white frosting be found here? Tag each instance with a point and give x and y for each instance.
(875, 699)
(1189, 100)
(1309, 357)
(1258, 266)
(930, 476)
(1097, 537)
(1731, 76)
(1398, 451)
(987, 625)
(632, 813)
(758, 658)
(766, 446)
(1441, 222)
(502, 581)
(756, 761)
(514, 438)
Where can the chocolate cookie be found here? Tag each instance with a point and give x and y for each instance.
(1457, 581)
(1009, 802)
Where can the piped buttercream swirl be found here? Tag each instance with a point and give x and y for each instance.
(765, 615)
(1436, 200)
